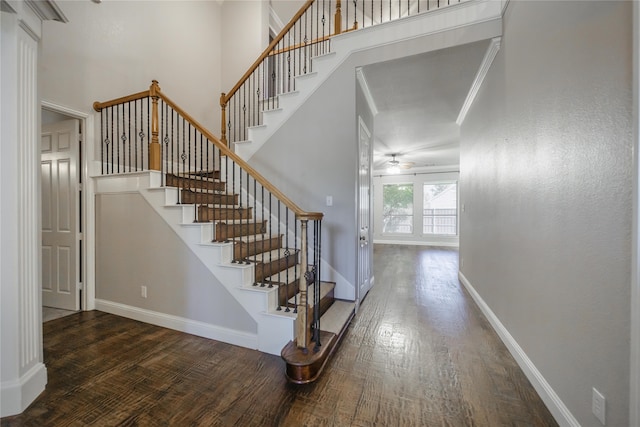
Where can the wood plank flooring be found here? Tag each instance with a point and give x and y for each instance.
(418, 353)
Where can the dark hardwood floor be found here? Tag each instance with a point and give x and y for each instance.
(418, 353)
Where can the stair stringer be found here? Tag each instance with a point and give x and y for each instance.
(275, 329)
(461, 15)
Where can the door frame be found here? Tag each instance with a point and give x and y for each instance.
(87, 255)
(634, 377)
(363, 125)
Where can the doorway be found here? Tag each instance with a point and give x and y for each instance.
(62, 209)
(365, 249)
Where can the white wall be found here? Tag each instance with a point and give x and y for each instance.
(135, 247)
(244, 36)
(117, 47)
(417, 179)
(545, 173)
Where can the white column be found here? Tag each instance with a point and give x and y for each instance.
(22, 372)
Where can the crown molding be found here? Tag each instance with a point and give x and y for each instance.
(47, 10)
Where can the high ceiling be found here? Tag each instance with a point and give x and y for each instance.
(418, 99)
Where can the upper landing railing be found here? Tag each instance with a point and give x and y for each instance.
(289, 55)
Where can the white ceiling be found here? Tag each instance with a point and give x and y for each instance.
(418, 99)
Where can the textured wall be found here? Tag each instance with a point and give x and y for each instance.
(545, 173)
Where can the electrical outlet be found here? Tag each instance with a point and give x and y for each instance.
(598, 405)
(143, 291)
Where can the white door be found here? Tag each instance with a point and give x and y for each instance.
(59, 215)
(365, 249)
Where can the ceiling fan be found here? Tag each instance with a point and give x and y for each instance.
(395, 165)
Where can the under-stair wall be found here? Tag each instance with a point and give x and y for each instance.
(144, 238)
(179, 287)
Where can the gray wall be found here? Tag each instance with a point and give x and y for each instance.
(545, 174)
(136, 247)
(313, 155)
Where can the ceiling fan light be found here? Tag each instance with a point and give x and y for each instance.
(393, 169)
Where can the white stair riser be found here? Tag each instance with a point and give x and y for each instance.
(272, 115)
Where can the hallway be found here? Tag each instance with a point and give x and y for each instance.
(418, 353)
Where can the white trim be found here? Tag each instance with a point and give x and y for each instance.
(558, 409)
(367, 92)
(47, 10)
(88, 193)
(194, 327)
(56, 108)
(634, 373)
(17, 395)
(489, 56)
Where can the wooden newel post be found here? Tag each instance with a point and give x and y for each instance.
(155, 160)
(338, 20)
(302, 326)
(223, 116)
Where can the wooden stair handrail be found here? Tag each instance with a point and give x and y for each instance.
(98, 106)
(224, 150)
(225, 97)
(300, 45)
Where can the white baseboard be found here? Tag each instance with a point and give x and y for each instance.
(557, 407)
(17, 395)
(194, 327)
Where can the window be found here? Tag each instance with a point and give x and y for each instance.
(440, 209)
(397, 208)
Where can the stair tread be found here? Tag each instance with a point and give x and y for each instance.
(255, 238)
(221, 206)
(269, 256)
(238, 221)
(195, 177)
(293, 273)
(325, 288)
(206, 191)
(198, 173)
(337, 316)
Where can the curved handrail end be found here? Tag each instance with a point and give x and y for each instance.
(310, 216)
